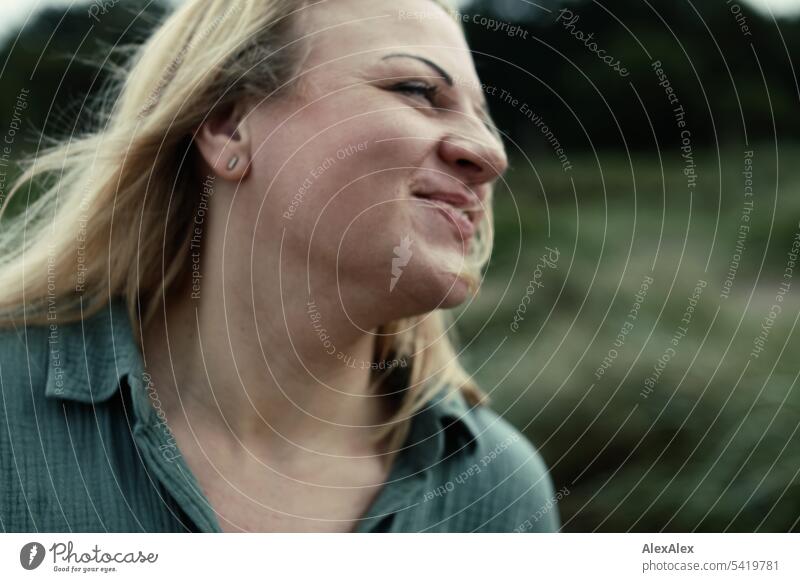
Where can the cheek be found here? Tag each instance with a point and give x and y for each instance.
(362, 222)
(340, 173)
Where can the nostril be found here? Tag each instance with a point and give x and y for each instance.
(471, 158)
(465, 163)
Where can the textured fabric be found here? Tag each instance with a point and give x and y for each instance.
(83, 449)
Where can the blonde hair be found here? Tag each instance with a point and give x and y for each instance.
(66, 249)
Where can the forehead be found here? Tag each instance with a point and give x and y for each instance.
(350, 31)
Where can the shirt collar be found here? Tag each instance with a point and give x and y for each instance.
(89, 359)
(444, 427)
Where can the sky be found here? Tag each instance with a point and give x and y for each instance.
(15, 12)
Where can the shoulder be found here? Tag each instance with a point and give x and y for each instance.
(23, 376)
(503, 483)
(24, 370)
(23, 362)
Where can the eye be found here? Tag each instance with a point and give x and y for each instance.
(418, 89)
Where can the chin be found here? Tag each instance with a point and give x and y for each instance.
(460, 290)
(429, 291)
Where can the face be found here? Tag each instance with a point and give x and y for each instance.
(380, 165)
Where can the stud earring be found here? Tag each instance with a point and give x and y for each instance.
(232, 163)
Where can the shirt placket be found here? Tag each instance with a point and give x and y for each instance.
(410, 477)
(159, 450)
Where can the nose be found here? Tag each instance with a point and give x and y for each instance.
(475, 161)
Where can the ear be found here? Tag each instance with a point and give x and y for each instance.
(225, 143)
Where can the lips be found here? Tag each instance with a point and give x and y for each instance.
(459, 209)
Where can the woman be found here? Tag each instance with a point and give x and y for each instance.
(226, 313)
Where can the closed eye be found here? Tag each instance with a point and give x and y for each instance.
(431, 93)
(418, 89)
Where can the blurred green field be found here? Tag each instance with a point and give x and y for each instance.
(714, 446)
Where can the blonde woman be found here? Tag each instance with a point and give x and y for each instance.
(227, 313)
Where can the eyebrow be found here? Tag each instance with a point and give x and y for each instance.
(444, 74)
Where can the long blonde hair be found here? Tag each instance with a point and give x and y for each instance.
(66, 250)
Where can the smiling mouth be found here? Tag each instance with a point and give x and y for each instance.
(451, 206)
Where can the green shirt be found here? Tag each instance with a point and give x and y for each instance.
(83, 449)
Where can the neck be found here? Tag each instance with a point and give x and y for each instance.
(288, 371)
